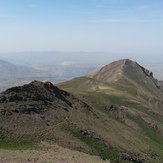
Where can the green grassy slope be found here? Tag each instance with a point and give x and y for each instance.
(132, 131)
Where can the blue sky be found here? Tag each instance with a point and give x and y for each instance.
(116, 26)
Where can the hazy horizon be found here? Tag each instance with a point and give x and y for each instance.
(85, 62)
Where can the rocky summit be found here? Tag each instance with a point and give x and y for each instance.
(35, 97)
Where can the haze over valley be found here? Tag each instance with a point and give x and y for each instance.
(24, 67)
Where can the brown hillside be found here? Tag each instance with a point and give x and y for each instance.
(141, 78)
(129, 69)
(110, 72)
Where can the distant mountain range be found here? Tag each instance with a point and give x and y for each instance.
(115, 112)
(9, 70)
(14, 75)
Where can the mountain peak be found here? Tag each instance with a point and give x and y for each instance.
(129, 70)
(132, 66)
(117, 69)
(112, 71)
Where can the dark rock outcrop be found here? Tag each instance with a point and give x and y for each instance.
(34, 97)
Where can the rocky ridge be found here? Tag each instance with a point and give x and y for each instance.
(35, 97)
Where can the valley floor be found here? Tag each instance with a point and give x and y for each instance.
(50, 154)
